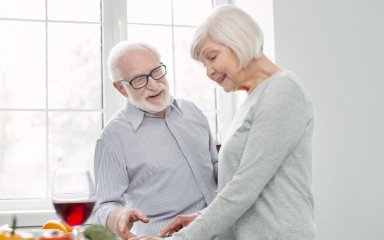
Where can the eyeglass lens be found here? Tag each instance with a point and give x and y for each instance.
(142, 81)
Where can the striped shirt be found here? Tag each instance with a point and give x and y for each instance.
(162, 166)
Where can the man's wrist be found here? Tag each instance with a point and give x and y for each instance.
(113, 218)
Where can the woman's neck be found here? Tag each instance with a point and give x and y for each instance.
(257, 71)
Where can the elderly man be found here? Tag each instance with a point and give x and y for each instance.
(156, 158)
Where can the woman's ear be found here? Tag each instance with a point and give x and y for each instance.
(120, 88)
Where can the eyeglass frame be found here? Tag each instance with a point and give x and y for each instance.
(147, 76)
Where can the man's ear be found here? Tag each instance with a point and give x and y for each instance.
(120, 88)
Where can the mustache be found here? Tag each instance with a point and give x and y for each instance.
(149, 93)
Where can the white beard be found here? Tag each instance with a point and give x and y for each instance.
(148, 107)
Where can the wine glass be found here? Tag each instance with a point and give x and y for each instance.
(73, 196)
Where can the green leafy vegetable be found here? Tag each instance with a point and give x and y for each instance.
(98, 232)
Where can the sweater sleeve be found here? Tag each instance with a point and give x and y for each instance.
(276, 122)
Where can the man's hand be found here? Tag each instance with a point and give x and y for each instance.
(178, 223)
(121, 220)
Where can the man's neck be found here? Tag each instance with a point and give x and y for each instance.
(160, 114)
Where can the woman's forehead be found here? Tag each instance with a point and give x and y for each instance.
(207, 45)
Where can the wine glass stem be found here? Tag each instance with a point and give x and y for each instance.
(76, 233)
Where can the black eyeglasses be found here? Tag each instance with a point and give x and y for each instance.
(142, 80)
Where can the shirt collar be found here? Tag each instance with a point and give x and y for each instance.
(135, 115)
(174, 105)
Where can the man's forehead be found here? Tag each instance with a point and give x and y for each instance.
(137, 59)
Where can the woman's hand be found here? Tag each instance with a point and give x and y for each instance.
(178, 223)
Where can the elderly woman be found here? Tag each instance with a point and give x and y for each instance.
(265, 161)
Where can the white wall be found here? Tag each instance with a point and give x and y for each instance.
(336, 47)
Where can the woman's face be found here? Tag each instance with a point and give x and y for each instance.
(221, 63)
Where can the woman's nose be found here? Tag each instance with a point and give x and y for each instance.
(210, 71)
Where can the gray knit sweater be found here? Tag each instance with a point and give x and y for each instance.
(265, 167)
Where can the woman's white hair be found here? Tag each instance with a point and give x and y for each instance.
(119, 50)
(233, 27)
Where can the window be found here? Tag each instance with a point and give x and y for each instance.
(50, 94)
(54, 93)
(169, 25)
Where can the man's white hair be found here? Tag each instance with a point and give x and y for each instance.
(119, 50)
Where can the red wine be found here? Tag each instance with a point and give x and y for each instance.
(74, 213)
(218, 146)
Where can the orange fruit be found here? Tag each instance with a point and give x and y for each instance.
(54, 224)
(69, 228)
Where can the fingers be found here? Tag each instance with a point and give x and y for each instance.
(125, 220)
(126, 234)
(136, 215)
(174, 226)
(169, 230)
(177, 224)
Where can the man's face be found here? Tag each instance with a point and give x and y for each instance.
(152, 98)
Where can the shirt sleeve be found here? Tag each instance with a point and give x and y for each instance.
(278, 121)
(111, 180)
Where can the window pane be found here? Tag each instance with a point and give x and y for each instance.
(22, 154)
(158, 36)
(29, 9)
(191, 81)
(74, 10)
(187, 12)
(149, 11)
(22, 65)
(72, 138)
(74, 74)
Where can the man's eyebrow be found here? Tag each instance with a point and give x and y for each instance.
(144, 74)
(138, 75)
